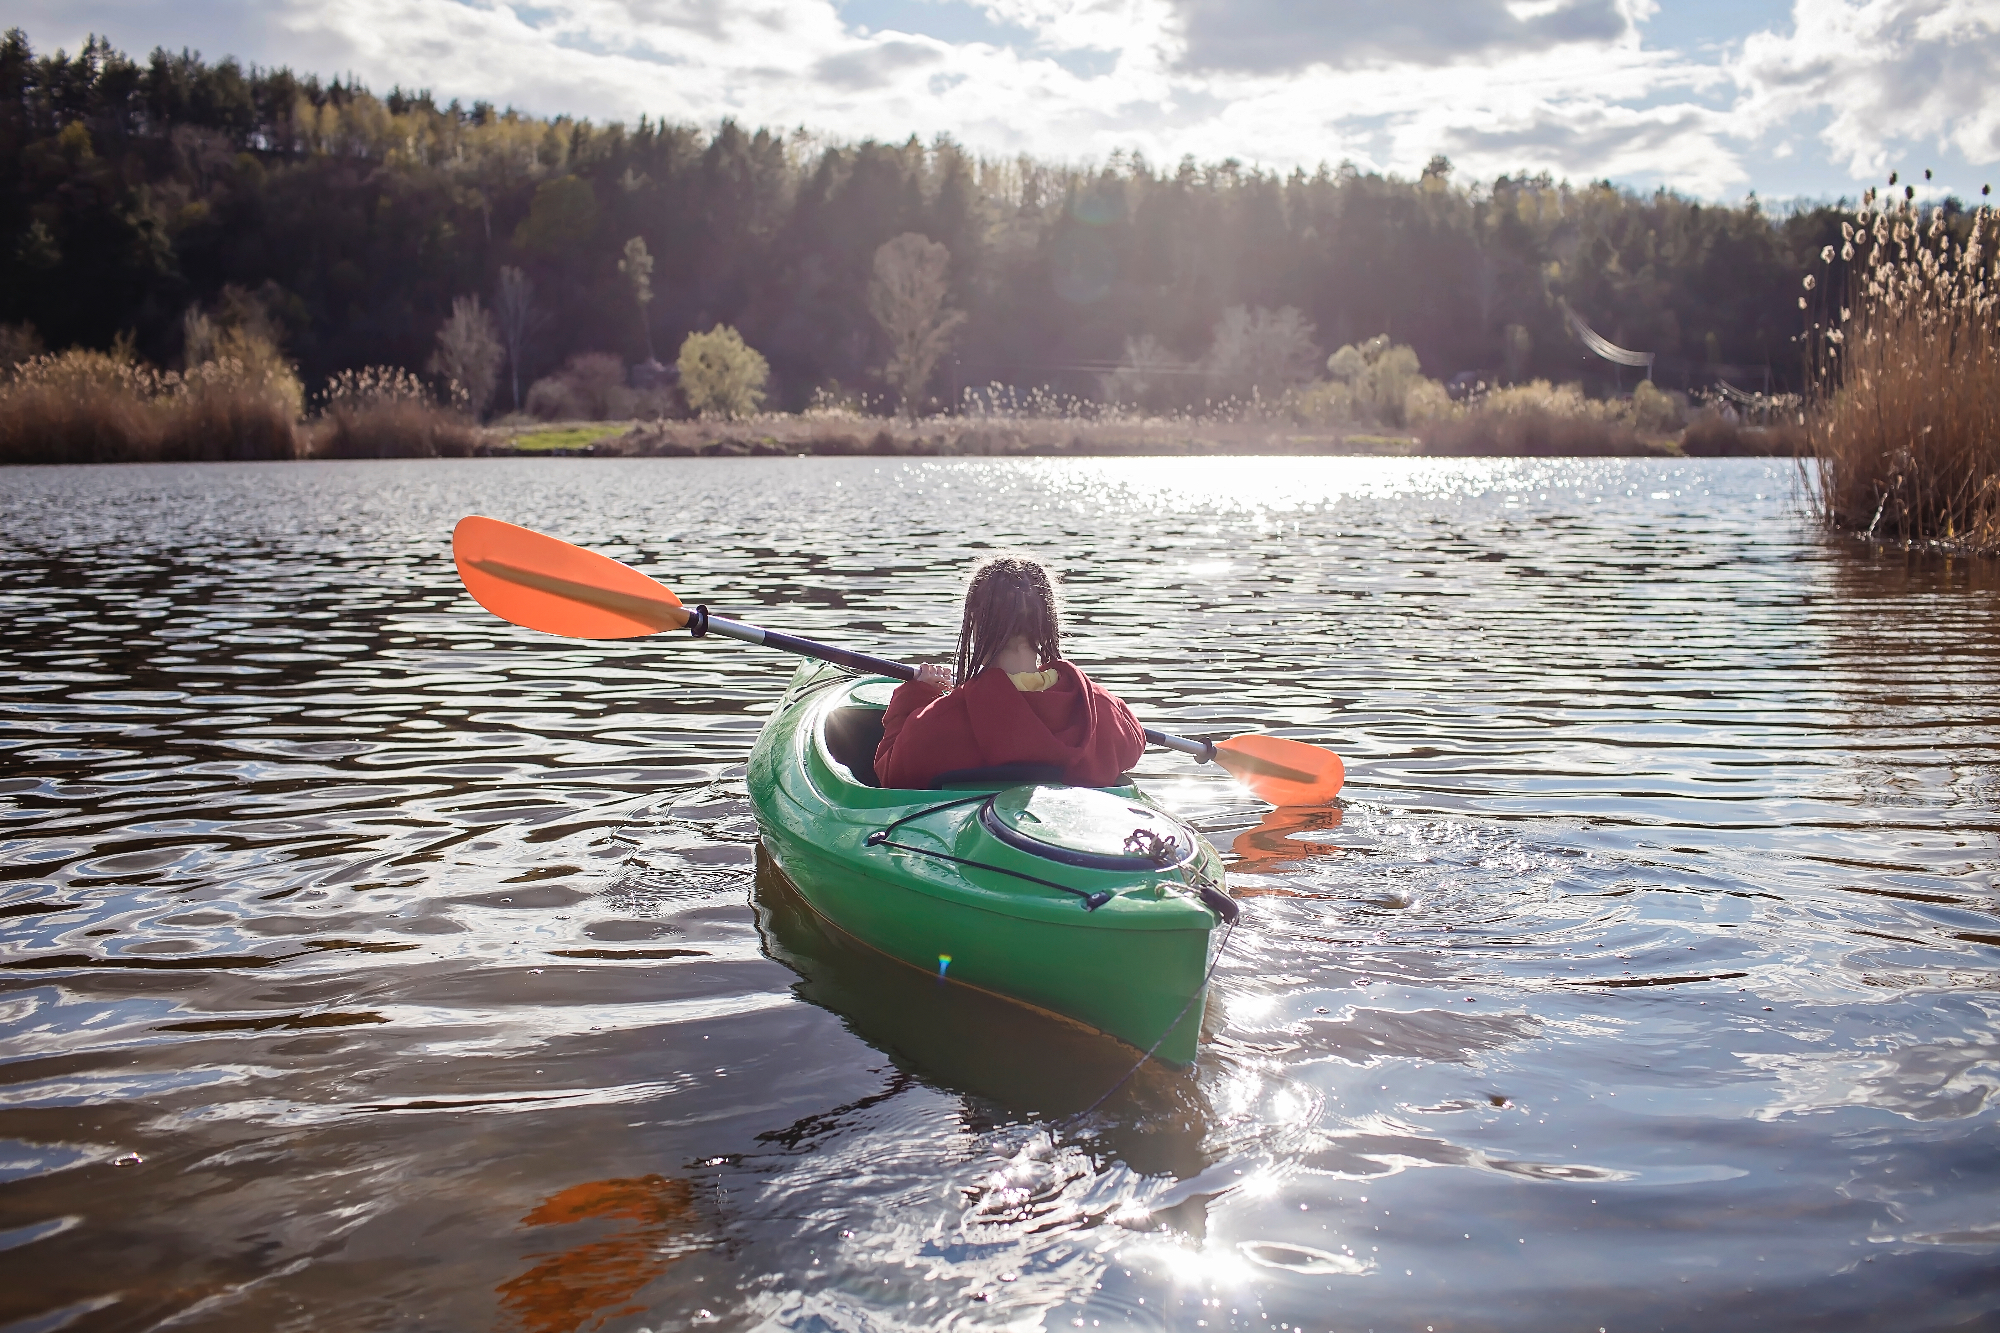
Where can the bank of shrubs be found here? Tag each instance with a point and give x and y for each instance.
(1905, 417)
(717, 375)
(1262, 365)
(239, 398)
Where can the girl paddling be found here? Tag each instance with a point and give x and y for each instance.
(1019, 710)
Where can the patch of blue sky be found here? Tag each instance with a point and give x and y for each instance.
(1791, 168)
(1705, 27)
(1794, 168)
(1085, 63)
(945, 20)
(1363, 141)
(538, 16)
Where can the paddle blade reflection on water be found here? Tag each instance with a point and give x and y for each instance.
(645, 1224)
(1280, 771)
(1276, 843)
(535, 581)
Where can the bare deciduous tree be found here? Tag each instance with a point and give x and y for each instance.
(520, 320)
(197, 337)
(1149, 377)
(1261, 351)
(637, 266)
(469, 351)
(907, 298)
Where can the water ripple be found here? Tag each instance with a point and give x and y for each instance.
(362, 954)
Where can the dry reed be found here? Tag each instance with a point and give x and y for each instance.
(1712, 435)
(1534, 434)
(1905, 418)
(96, 407)
(385, 412)
(1535, 419)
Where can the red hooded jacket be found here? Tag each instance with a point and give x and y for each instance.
(1075, 725)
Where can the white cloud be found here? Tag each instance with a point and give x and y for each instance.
(1567, 86)
(1889, 76)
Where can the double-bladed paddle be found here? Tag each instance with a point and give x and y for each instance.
(538, 582)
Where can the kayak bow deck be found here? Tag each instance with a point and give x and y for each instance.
(1089, 903)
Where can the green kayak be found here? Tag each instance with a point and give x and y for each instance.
(1089, 903)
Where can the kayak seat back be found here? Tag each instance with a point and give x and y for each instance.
(852, 734)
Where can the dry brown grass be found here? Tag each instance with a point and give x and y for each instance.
(40, 424)
(1532, 432)
(1540, 419)
(1713, 436)
(96, 407)
(839, 434)
(225, 425)
(384, 412)
(392, 430)
(1906, 418)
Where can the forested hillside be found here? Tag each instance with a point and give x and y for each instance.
(137, 189)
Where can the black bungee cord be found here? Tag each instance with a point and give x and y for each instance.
(880, 838)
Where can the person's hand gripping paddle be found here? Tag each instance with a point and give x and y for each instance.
(540, 583)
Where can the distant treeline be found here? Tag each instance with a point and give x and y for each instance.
(135, 191)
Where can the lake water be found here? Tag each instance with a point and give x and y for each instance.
(367, 963)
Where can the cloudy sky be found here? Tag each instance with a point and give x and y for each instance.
(1817, 98)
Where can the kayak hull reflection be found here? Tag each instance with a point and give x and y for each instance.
(951, 892)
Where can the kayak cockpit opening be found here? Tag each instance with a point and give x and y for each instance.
(853, 733)
(851, 737)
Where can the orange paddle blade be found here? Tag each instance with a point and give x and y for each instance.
(1282, 772)
(538, 582)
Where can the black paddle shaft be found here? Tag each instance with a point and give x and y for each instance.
(701, 622)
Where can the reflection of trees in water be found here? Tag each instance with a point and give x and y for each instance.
(1884, 590)
(647, 1223)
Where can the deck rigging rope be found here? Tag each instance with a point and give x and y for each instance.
(880, 838)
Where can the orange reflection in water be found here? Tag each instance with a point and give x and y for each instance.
(1274, 844)
(588, 1283)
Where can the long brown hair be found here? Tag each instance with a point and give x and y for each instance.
(1008, 595)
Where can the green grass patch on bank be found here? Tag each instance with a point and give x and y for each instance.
(569, 437)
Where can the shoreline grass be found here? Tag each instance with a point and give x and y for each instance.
(84, 407)
(106, 433)
(391, 430)
(565, 438)
(98, 407)
(832, 435)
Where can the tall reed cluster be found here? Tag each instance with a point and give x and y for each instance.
(83, 406)
(386, 412)
(1905, 414)
(106, 407)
